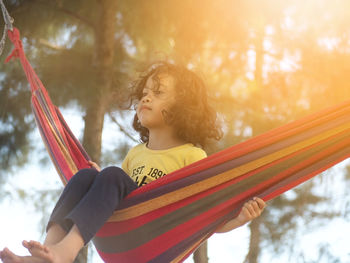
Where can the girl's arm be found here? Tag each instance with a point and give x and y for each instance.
(250, 210)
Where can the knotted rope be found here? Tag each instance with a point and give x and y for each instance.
(8, 25)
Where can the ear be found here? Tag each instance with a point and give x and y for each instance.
(168, 117)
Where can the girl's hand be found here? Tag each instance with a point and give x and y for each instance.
(95, 165)
(251, 210)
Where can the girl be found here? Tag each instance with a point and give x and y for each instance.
(173, 118)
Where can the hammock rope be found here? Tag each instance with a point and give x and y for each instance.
(166, 220)
(8, 25)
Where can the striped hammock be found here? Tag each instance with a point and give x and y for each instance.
(166, 220)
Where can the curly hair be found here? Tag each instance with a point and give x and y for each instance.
(193, 118)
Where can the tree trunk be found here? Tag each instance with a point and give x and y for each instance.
(254, 243)
(201, 254)
(82, 256)
(94, 117)
(104, 42)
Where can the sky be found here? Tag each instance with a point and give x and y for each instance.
(19, 220)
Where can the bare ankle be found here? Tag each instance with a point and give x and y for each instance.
(55, 234)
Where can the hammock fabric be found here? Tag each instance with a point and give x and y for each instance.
(166, 220)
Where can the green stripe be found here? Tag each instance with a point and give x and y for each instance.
(157, 227)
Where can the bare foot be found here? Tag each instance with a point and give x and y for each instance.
(36, 249)
(48, 254)
(7, 256)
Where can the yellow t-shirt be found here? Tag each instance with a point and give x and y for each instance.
(144, 165)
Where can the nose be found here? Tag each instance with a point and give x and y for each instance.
(146, 98)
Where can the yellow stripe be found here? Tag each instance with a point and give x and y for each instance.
(61, 145)
(63, 179)
(213, 181)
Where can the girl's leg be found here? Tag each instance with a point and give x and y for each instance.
(55, 234)
(98, 204)
(73, 192)
(108, 189)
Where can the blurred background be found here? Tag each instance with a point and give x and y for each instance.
(265, 62)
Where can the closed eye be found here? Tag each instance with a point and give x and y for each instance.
(158, 91)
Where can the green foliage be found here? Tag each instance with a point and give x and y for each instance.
(14, 120)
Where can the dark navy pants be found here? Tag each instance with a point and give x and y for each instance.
(90, 198)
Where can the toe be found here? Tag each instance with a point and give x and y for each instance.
(26, 244)
(35, 244)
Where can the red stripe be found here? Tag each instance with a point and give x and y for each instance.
(250, 145)
(116, 228)
(311, 160)
(139, 221)
(74, 144)
(52, 141)
(35, 84)
(303, 179)
(159, 245)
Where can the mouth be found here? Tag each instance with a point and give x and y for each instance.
(145, 108)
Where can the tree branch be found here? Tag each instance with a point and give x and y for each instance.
(121, 128)
(66, 11)
(80, 18)
(50, 45)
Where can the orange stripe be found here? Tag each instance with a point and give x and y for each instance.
(256, 143)
(63, 148)
(187, 191)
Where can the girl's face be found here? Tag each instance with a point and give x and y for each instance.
(158, 96)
